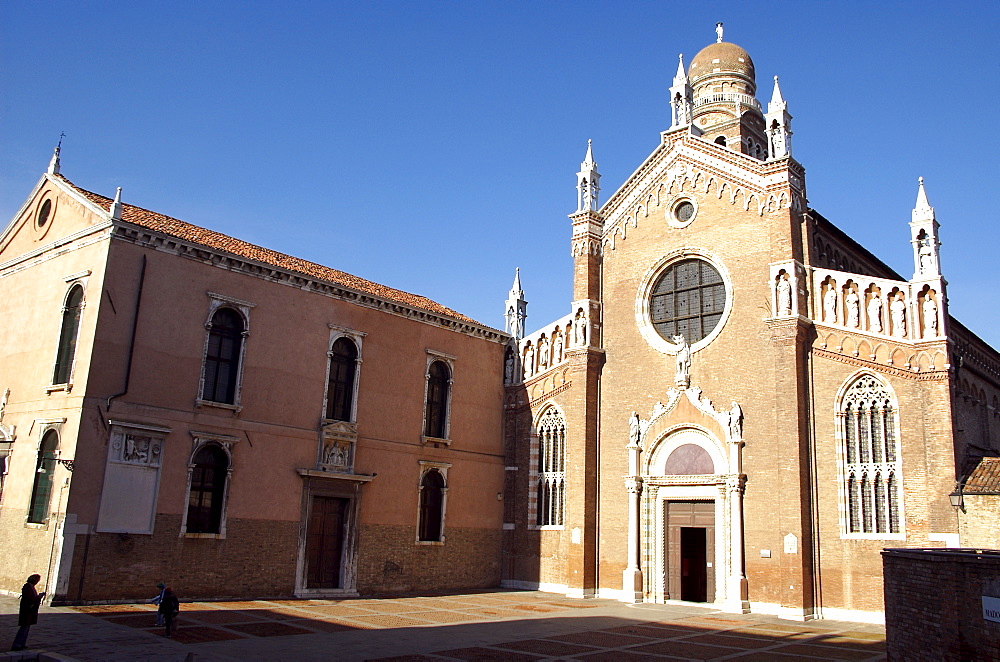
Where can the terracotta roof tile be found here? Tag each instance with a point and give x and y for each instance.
(984, 477)
(216, 240)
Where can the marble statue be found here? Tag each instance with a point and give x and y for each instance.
(784, 296)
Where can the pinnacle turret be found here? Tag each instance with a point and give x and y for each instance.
(516, 308)
(924, 237)
(588, 182)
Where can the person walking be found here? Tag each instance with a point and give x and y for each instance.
(27, 613)
(156, 601)
(169, 608)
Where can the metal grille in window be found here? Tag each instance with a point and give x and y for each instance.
(688, 299)
(551, 469)
(684, 211)
(871, 458)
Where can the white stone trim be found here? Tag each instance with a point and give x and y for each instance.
(148, 461)
(427, 466)
(449, 360)
(357, 337)
(199, 441)
(217, 301)
(71, 282)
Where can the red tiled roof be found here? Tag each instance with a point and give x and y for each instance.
(216, 240)
(984, 478)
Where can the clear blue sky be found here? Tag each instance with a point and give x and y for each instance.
(433, 146)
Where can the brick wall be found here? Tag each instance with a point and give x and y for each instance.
(979, 525)
(390, 561)
(933, 604)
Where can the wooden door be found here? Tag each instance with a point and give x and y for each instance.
(689, 558)
(325, 542)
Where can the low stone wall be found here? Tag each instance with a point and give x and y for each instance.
(934, 604)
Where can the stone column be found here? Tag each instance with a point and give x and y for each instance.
(632, 575)
(736, 587)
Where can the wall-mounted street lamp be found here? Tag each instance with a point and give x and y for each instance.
(957, 498)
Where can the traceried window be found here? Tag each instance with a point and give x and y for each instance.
(206, 497)
(688, 299)
(340, 388)
(436, 409)
(872, 475)
(432, 491)
(551, 469)
(41, 490)
(222, 356)
(67, 336)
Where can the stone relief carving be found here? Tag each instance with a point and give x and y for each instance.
(336, 455)
(337, 447)
(136, 448)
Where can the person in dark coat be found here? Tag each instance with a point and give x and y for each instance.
(27, 613)
(169, 608)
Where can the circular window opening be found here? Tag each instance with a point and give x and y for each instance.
(43, 213)
(688, 300)
(684, 212)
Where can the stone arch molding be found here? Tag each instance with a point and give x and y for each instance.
(680, 177)
(651, 441)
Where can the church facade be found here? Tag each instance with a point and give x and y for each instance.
(744, 406)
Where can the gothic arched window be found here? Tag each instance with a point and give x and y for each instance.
(222, 356)
(340, 388)
(551, 469)
(41, 490)
(432, 489)
(436, 409)
(67, 336)
(872, 476)
(209, 473)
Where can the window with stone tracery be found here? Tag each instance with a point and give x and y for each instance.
(872, 478)
(551, 469)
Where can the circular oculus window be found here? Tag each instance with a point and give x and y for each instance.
(43, 214)
(682, 213)
(687, 299)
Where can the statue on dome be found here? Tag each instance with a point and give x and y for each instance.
(718, 32)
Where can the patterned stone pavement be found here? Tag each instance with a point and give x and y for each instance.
(487, 625)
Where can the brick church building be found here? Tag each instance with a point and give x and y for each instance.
(742, 406)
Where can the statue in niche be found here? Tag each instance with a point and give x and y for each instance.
(543, 353)
(508, 368)
(875, 313)
(581, 327)
(736, 422)
(633, 429)
(853, 311)
(784, 296)
(925, 256)
(830, 305)
(930, 317)
(557, 348)
(529, 360)
(897, 312)
(683, 374)
(3, 403)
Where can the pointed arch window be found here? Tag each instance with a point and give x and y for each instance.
(341, 383)
(430, 527)
(222, 356)
(68, 333)
(551, 469)
(872, 474)
(41, 489)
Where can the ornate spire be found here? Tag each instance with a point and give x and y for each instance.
(778, 125)
(516, 308)
(681, 97)
(116, 206)
(924, 237)
(681, 75)
(588, 182)
(54, 162)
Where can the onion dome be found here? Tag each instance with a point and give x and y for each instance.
(721, 57)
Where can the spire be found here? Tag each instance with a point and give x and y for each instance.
(681, 96)
(718, 33)
(516, 308)
(588, 182)
(54, 162)
(924, 237)
(116, 206)
(778, 125)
